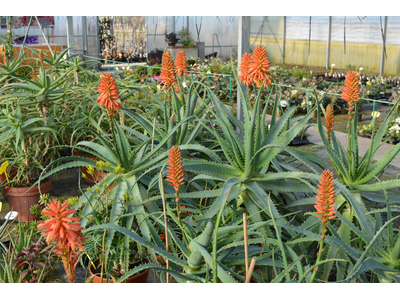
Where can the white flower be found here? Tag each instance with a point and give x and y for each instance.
(283, 103)
(332, 65)
(361, 69)
(116, 68)
(184, 84)
(397, 120)
(376, 114)
(394, 129)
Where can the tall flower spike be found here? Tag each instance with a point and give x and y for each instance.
(259, 65)
(244, 68)
(329, 120)
(325, 204)
(167, 71)
(59, 226)
(180, 64)
(65, 233)
(41, 58)
(351, 91)
(109, 94)
(175, 168)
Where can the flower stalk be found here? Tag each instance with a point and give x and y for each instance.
(351, 93)
(329, 120)
(326, 209)
(175, 177)
(66, 233)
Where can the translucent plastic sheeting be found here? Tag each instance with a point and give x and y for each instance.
(357, 29)
(268, 31)
(58, 34)
(220, 34)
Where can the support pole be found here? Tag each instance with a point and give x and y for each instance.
(243, 47)
(383, 47)
(70, 33)
(284, 40)
(45, 38)
(328, 47)
(173, 24)
(26, 33)
(147, 37)
(84, 36)
(98, 41)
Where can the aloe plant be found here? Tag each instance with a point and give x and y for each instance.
(9, 70)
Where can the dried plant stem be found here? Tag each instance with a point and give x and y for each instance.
(104, 258)
(246, 247)
(165, 221)
(121, 118)
(251, 269)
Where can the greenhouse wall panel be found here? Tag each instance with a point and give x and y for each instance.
(219, 34)
(57, 35)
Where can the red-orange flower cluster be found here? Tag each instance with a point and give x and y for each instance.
(351, 91)
(109, 94)
(167, 71)
(329, 120)
(244, 70)
(325, 204)
(180, 64)
(175, 169)
(66, 234)
(258, 68)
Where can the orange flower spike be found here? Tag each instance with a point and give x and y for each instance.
(167, 71)
(57, 226)
(351, 91)
(325, 204)
(180, 64)
(329, 120)
(41, 57)
(67, 235)
(244, 76)
(259, 65)
(109, 94)
(175, 168)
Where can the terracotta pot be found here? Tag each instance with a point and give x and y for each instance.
(97, 176)
(137, 278)
(21, 201)
(10, 176)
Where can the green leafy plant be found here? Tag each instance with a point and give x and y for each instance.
(185, 37)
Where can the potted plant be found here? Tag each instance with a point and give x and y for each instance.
(171, 39)
(185, 37)
(28, 129)
(24, 139)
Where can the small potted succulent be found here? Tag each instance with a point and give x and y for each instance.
(171, 39)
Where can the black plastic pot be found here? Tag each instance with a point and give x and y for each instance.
(298, 141)
(359, 117)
